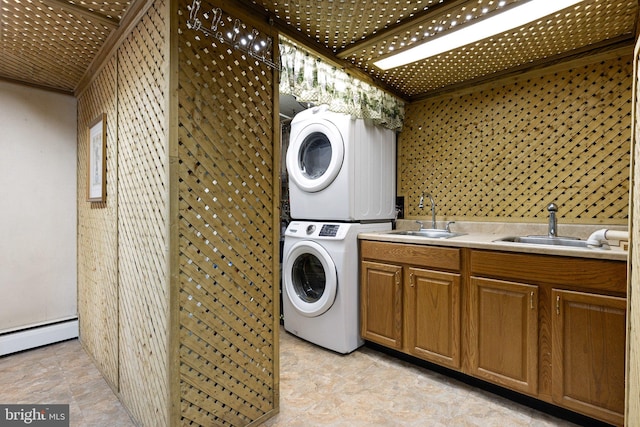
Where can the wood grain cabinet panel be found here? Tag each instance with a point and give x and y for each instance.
(503, 331)
(433, 257)
(432, 307)
(588, 339)
(381, 303)
(408, 304)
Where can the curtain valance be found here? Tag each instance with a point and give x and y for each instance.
(312, 80)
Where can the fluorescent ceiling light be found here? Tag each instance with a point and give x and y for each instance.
(501, 22)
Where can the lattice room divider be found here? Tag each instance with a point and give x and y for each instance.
(143, 211)
(504, 151)
(123, 284)
(178, 270)
(227, 192)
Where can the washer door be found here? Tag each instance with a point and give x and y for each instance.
(310, 278)
(315, 156)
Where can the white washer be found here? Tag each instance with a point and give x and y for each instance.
(340, 168)
(320, 282)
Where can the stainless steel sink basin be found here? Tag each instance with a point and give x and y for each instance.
(546, 240)
(434, 233)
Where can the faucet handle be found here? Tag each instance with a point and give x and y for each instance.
(421, 224)
(447, 227)
(553, 224)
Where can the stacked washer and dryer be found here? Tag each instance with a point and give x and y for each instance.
(342, 180)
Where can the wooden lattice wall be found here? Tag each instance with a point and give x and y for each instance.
(143, 223)
(123, 283)
(227, 198)
(504, 151)
(97, 231)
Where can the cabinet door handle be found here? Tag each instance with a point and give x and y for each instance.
(558, 305)
(411, 279)
(397, 278)
(531, 300)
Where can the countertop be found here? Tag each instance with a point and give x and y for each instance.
(477, 238)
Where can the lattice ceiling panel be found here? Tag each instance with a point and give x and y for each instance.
(338, 23)
(563, 32)
(109, 8)
(361, 32)
(52, 42)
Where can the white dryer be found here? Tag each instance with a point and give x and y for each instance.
(320, 282)
(340, 168)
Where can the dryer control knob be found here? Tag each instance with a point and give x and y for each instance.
(311, 228)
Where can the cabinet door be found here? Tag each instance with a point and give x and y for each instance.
(381, 303)
(588, 356)
(503, 333)
(433, 316)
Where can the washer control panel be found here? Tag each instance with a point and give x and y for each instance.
(316, 230)
(329, 230)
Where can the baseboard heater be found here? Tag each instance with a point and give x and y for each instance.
(38, 335)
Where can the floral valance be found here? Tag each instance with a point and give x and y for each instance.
(312, 80)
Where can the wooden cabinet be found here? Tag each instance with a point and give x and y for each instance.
(588, 336)
(432, 311)
(551, 327)
(503, 333)
(410, 302)
(381, 303)
(581, 326)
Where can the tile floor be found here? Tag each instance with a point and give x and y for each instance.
(317, 388)
(62, 373)
(370, 388)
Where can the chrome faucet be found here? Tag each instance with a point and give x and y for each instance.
(433, 208)
(553, 222)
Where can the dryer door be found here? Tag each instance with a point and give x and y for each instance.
(315, 156)
(310, 278)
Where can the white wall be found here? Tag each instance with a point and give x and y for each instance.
(37, 206)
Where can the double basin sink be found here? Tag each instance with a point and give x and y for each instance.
(436, 233)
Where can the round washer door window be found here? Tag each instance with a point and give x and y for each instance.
(315, 156)
(310, 278)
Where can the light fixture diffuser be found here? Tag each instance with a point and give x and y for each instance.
(504, 21)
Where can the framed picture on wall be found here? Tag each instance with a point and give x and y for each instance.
(97, 170)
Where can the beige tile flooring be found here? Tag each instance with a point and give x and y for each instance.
(317, 388)
(370, 388)
(62, 373)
